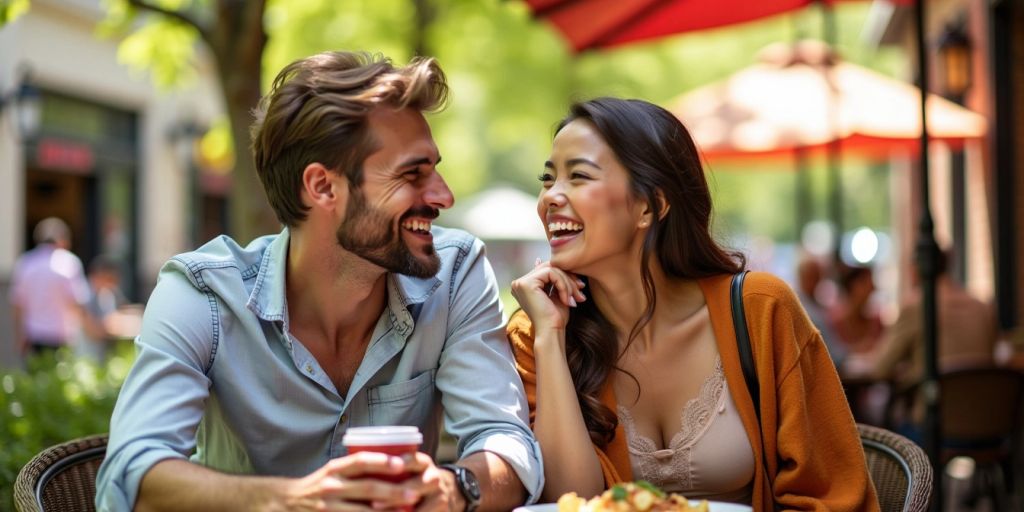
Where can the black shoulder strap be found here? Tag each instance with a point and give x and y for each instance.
(739, 324)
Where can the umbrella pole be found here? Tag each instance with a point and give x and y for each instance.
(926, 261)
(834, 166)
(802, 205)
(801, 185)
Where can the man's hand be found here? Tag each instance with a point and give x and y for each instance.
(438, 488)
(346, 483)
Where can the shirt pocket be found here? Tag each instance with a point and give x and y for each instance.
(404, 403)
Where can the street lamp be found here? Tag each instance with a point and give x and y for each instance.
(27, 102)
(955, 79)
(954, 63)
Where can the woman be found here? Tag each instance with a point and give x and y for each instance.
(854, 321)
(625, 340)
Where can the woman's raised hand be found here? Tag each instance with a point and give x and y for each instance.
(546, 293)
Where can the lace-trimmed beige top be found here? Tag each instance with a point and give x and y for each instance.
(709, 458)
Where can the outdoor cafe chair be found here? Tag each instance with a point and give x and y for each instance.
(899, 469)
(61, 477)
(979, 407)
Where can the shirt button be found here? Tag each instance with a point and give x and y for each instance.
(344, 418)
(309, 368)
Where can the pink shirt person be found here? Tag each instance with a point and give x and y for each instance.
(48, 290)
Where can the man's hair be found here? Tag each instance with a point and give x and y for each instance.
(317, 110)
(51, 230)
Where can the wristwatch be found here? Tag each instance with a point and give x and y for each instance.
(467, 483)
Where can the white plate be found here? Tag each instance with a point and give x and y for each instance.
(715, 506)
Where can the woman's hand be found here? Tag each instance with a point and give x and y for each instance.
(546, 293)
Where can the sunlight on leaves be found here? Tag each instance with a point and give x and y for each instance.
(216, 147)
(165, 48)
(10, 10)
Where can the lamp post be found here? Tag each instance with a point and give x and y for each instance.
(954, 62)
(925, 252)
(27, 103)
(955, 77)
(184, 136)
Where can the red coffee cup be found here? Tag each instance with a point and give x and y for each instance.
(395, 441)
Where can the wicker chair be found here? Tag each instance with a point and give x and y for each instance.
(899, 469)
(62, 477)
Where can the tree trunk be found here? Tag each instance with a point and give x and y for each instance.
(423, 15)
(237, 42)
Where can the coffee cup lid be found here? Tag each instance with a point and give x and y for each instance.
(375, 436)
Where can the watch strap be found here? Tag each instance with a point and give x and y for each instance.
(462, 479)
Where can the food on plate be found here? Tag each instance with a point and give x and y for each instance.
(638, 496)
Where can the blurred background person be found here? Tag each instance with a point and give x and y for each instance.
(966, 331)
(966, 335)
(105, 300)
(48, 291)
(854, 320)
(809, 274)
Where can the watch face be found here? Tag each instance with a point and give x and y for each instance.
(471, 485)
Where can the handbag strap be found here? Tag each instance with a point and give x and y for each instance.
(739, 323)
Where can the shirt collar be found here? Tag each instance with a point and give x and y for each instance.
(406, 294)
(267, 299)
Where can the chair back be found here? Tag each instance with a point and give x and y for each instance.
(899, 469)
(62, 477)
(979, 407)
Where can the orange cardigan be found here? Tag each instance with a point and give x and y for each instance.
(818, 461)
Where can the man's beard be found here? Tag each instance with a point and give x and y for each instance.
(368, 233)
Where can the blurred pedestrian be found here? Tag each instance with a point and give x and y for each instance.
(965, 332)
(809, 275)
(854, 320)
(48, 292)
(105, 299)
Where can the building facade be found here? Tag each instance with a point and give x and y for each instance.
(975, 189)
(86, 139)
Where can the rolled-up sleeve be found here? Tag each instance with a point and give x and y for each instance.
(162, 400)
(484, 402)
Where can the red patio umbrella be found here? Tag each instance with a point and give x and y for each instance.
(802, 97)
(588, 24)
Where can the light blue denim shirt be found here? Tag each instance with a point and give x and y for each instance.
(220, 380)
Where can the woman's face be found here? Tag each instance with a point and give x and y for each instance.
(586, 205)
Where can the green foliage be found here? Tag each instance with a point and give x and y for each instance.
(11, 9)
(57, 399)
(299, 29)
(164, 47)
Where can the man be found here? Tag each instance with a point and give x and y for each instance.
(966, 332)
(48, 291)
(256, 360)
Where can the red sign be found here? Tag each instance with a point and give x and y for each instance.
(62, 155)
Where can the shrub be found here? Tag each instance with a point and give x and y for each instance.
(60, 397)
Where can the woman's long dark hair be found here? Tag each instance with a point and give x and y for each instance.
(660, 156)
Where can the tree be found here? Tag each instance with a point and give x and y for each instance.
(233, 32)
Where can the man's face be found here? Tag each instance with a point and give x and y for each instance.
(388, 218)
